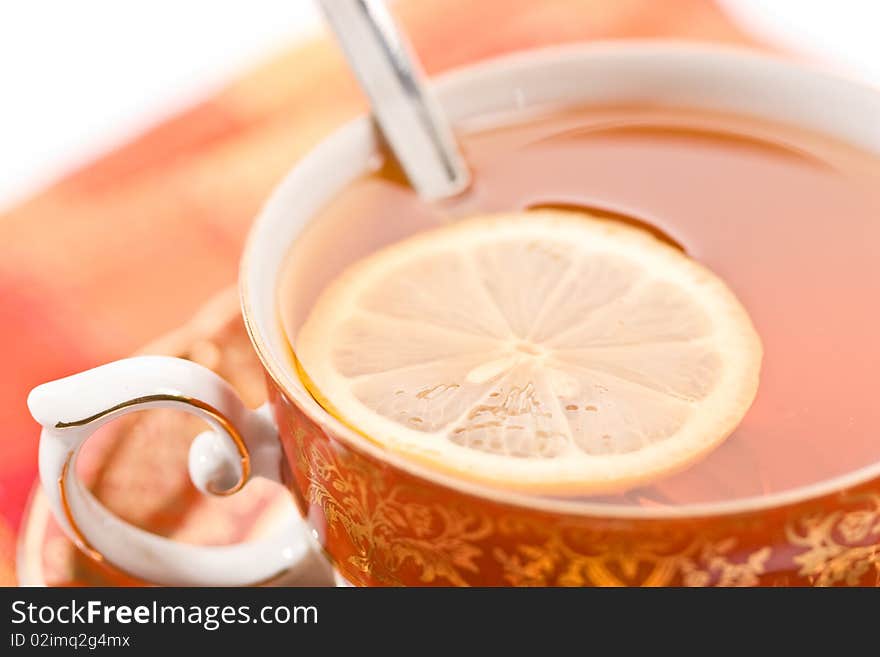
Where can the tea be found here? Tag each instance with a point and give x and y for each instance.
(786, 218)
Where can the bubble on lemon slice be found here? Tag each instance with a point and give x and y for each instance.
(545, 351)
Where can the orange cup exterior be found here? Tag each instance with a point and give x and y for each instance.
(384, 526)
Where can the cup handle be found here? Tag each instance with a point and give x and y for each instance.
(242, 444)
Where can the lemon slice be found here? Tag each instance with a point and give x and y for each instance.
(545, 351)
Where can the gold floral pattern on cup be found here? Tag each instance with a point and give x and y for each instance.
(384, 526)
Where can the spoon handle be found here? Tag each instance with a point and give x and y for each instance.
(411, 120)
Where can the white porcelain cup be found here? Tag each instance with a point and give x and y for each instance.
(244, 443)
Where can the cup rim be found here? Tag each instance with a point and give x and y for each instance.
(633, 52)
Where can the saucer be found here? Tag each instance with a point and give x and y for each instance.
(136, 466)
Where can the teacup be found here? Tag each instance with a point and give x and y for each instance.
(384, 520)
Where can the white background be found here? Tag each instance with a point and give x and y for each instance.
(78, 77)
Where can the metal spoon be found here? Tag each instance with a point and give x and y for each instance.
(410, 119)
